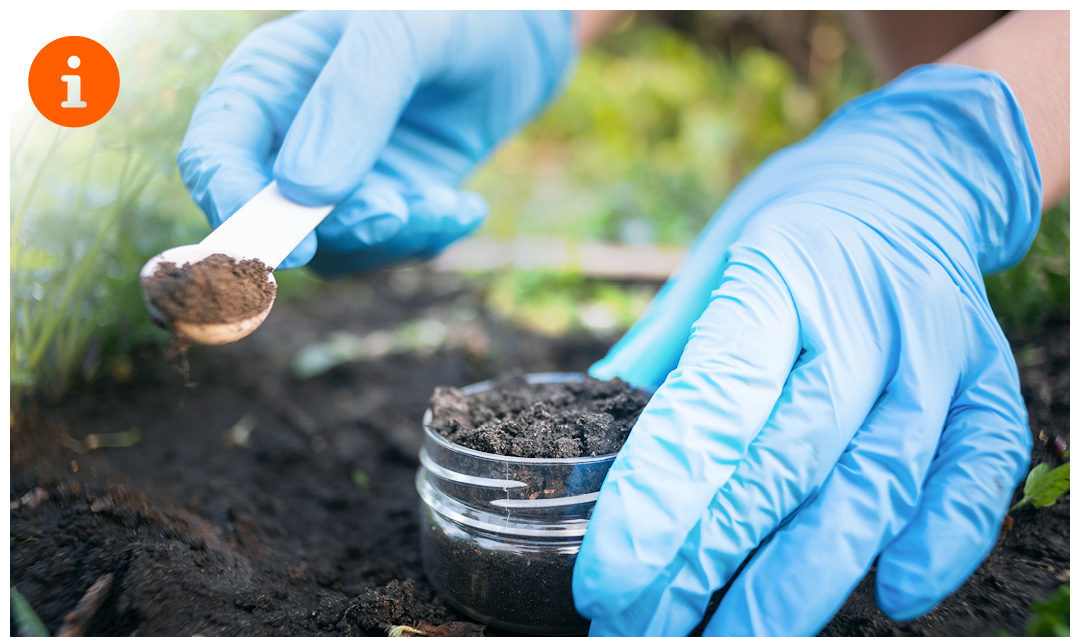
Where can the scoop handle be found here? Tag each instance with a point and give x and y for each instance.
(267, 227)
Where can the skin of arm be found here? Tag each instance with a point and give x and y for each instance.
(1030, 50)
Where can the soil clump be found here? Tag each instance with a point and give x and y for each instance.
(400, 603)
(549, 420)
(218, 289)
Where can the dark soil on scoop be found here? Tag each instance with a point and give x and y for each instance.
(514, 418)
(261, 504)
(217, 289)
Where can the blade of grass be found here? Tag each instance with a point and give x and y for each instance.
(84, 270)
(54, 309)
(27, 621)
(17, 150)
(16, 224)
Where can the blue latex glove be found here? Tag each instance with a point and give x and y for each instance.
(383, 114)
(841, 389)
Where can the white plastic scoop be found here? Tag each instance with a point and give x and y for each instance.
(266, 228)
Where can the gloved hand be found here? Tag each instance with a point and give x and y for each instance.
(383, 114)
(841, 389)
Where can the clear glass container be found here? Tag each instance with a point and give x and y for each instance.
(499, 534)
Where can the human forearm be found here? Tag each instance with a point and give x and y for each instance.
(1030, 50)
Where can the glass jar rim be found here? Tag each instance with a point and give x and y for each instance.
(538, 378)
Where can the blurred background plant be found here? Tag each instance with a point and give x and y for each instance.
(663, 118)
(90, 205)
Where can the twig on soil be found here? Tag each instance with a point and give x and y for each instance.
(125, 438)
(76, 622)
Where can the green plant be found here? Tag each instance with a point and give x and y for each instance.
(1044, 485)
(1051, 616)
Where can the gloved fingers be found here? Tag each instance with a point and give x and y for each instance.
(690, 437)
(227, 152)
(469, 211)
(301, 254)
(798, 580)
(817, 415)
(647, 353)
(374, 213)
(435, 216)
(983, 454)
(349, 113)
(224, 164)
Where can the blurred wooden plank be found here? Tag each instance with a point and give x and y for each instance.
(597, 260)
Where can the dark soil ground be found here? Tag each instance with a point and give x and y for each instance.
(260, 504)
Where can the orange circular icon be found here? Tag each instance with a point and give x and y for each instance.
(74, 81)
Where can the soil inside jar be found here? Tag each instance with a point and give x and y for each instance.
(218, 289)
(549, 420)
(526, 591)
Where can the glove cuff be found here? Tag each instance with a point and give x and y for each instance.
(958, 138)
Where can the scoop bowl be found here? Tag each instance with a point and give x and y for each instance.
(205, 333)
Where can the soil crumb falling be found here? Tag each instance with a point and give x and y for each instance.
(218, 289)
(550, 420)
(177, 354)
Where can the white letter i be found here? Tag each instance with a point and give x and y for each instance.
(74, 86)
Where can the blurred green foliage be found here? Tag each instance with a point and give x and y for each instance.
(90, 205)
(1050, 617)
(655, 129)
(1036, 291)
(557, 302)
